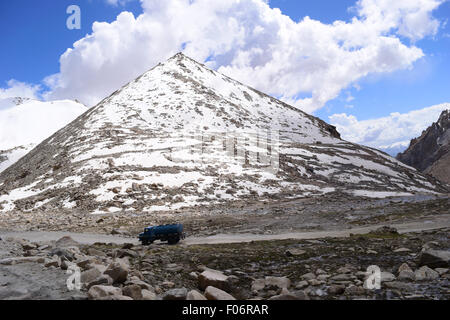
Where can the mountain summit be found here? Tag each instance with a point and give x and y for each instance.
(182, 135)
(430, 153)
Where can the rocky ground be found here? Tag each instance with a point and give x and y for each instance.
(413, 265)
(329, 212)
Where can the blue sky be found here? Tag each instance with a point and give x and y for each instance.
(34, 37)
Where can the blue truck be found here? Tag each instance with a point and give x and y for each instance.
(172, 233)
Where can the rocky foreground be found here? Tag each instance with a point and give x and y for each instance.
(413, 265)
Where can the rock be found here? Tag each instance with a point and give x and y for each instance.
(385, 230)
(101, 280)
(63, 253)
(441, 271)
(90, 275)
(144, 285)
(342, 277)
(176, 294)
(95, 252)
(66, 242)
(280, 282)
(355, 291)
(118, 271)
(195, 295)
(308, 276)
(213, 293)
(404, 267)
(148, 295)
(213, 278)
(400, 250)
(344, 270)
(53, 263)
(193, 275)
(397, 285)
(434, 258)
(336, 289)
(425, 273)
(13, 261)
(301, 284)
(134, 291)
(116, 297)
(387, 277)
(406, 275)
(258, 284)
(97, 292)
(294, 252)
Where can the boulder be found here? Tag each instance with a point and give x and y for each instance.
(336, 289)
(134, 291)
(66, 242)
(195, 295)
(280, 282)
(294, 252)
(425, 274)
(434, 258)
(118, 271)
(214, 278)
(17, 260)
(101, 280)
(90, 275)
(212, 293)
(387, 277)
(175, 294)
(148, 295)
(98, 292)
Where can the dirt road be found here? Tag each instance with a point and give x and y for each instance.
(428, 223)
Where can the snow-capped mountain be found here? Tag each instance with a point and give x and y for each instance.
(430, 153)
(183, 135)
(26, 122)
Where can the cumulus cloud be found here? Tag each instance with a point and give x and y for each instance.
(392, 133)
(19, 89)
(306, 63)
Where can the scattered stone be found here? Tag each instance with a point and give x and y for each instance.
(441, 271)
(434, 258)
(280, 282)
(17, 260)
(294, 252)
(195, 295)
(118, 271)
(213, 278)
(97, 292)
(148, 295)
(336, 289)
(308, 276)
(176, 294)
(425, 273)
(66, 242)
(301, 285)
(397, 285)
(213, 293)
(387, 277)
(401, 250)
(134, 291)
(355, 291)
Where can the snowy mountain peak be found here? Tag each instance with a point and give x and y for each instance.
(183, 135)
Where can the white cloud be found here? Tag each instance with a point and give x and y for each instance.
(306, 63)
(19, 89)
(32, 121)
(117, 3)
(393, 132)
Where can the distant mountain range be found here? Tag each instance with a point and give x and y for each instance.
(430, 153)
(24, 123)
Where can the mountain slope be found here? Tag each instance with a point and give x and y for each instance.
(183, 135)
(430, 153)
(26, 122)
